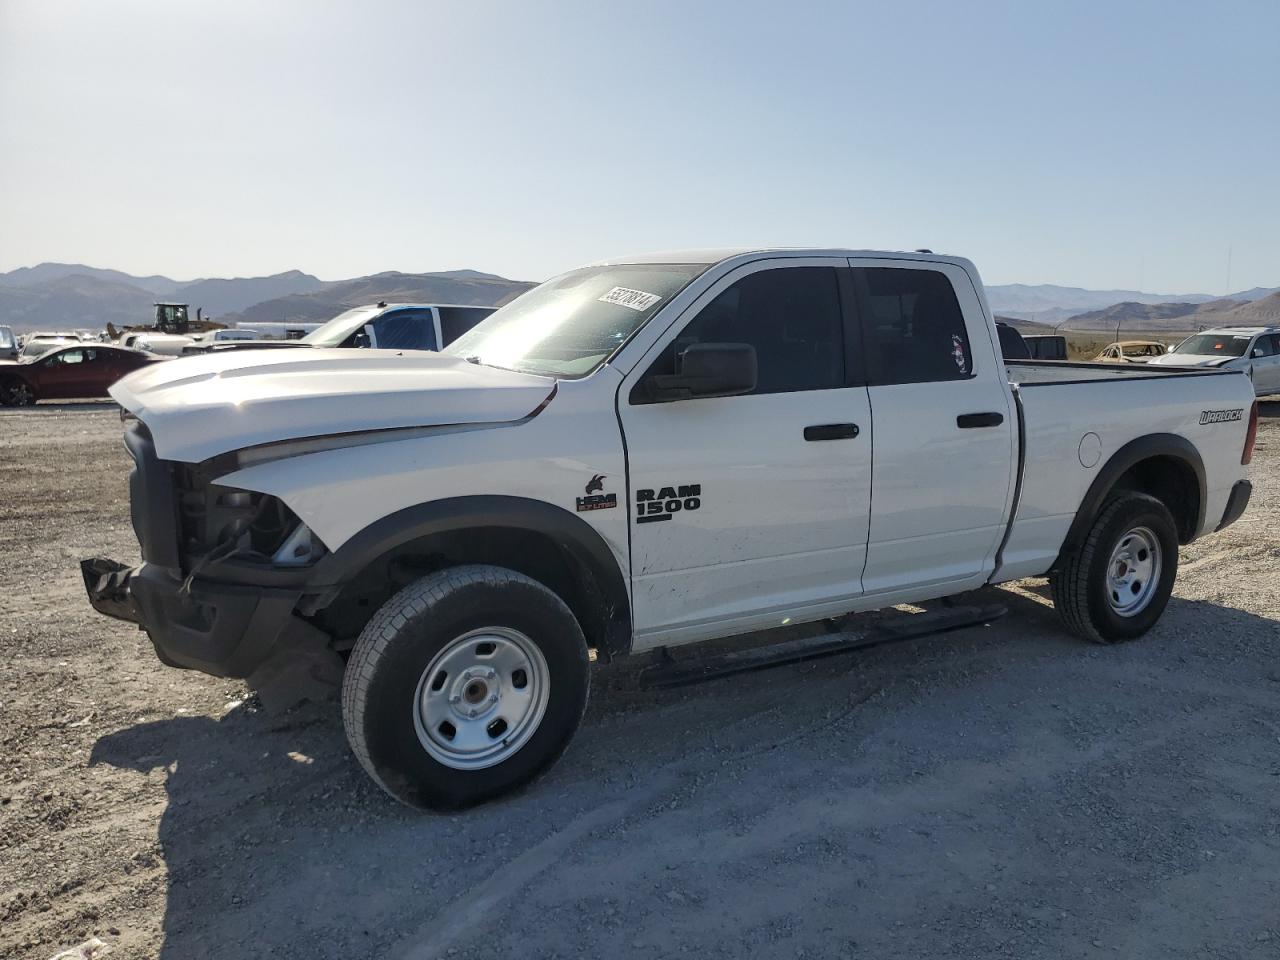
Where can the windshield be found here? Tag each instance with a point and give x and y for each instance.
(6, 339)
(333, 332)
(1215, 345)
(570, 325)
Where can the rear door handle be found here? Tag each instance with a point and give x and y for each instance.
(967, 421)
(831, 431)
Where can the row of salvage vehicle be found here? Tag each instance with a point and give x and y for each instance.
(77, 365)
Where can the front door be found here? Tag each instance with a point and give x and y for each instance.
(751, 511)
(65, 374)
(944, 427)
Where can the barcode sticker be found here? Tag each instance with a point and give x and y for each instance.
(626, 297)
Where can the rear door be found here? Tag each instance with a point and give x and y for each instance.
(944, 426)
(747, 511)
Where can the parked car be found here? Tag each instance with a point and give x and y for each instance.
(383, 326)
(154, 342)
(68, 372)
(1046, 346)
(37, 343)
(9, 347)
(1255, 350)
(637, 455)
(1131, 351)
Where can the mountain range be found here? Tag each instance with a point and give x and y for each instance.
(70, 296)
(1049, 303)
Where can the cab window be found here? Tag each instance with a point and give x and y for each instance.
(405, 330)
(914, 326)
(791, 315)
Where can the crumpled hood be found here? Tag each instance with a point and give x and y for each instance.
(201, 406)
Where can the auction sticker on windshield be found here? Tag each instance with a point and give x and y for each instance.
(626, 297)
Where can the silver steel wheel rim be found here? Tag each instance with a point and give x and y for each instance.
(481, 698)
(1133, 572)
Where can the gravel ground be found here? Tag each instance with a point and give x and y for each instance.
(999, 791)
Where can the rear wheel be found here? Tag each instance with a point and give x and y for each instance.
(465, 684)
(1116, 585)
(15, 392)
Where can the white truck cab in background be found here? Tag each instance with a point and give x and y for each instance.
(641, 453)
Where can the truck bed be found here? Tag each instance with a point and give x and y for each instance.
(1032, 372)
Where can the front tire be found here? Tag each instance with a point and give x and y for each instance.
(1117, 584)
(16, 392)
(466, 684)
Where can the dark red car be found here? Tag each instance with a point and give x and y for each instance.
(73, 371)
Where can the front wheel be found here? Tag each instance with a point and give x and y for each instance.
(1116, 585)
(466, 684)
(16, 392)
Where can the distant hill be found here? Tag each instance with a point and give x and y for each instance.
(1179, 316)
(1050, 303)
(1263, 312)
(61, 296)
(45, 272)
(457, 286)
(75, 300)
(1256, 293)
(219, 297)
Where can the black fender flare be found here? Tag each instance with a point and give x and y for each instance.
(567, 530)
(1132, 453)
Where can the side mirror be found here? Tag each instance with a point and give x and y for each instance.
(706, 370)
(1257, 352)
(361, 339)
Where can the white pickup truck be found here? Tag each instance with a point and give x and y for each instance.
(638, 454)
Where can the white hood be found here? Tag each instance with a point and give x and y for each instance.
(1192, 360)
(198, 407)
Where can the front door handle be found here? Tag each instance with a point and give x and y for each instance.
(831, 431)
(967, 421)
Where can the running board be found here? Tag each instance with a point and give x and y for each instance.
(679, 673)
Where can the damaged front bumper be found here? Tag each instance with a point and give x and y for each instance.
(223, 629)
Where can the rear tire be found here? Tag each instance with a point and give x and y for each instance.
(465, 685)
(1117, 584)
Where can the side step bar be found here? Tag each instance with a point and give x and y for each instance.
(680, 673)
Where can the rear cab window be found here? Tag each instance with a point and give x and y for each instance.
(455, 321)
(913, 325)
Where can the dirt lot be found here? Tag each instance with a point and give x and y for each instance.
(999, 791)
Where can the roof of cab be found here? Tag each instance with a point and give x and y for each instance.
(719, 255)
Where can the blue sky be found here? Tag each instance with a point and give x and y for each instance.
(1094, 144)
